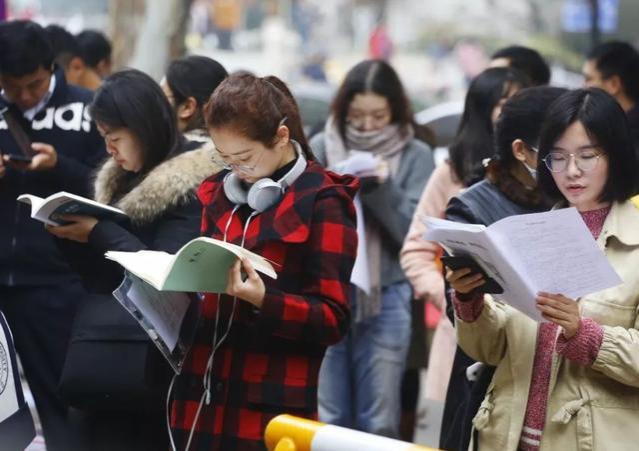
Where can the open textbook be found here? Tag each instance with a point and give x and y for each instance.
(201, 265)
(159, 289)
(552, 252)
(48, 210)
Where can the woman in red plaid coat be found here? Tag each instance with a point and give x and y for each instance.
(268, 336)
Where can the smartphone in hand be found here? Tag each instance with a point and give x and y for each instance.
(19, 158)
(20, 137)
(456, 262)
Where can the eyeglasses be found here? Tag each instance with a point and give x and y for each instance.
(585, 160)
(225, 162)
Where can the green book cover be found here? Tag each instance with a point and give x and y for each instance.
(201, 265)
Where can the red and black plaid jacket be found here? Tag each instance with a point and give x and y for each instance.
(270, 361)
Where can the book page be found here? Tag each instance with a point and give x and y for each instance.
(48, 210)
(169, 318)
(556, 253)
(200, 266)
(150, 266)
(35, 202)
(163, 309)
(438, 223)
(87, 202)
(473, 240)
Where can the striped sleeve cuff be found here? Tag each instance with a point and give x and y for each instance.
(468, 307)
(584, 346)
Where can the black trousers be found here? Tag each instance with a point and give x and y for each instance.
(122, 431)
(40, 319)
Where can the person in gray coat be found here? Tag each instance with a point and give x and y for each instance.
(360, 378)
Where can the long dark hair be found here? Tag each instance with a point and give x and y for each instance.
(474, 140)
(194, 76)
(255, 107)
(133, 100)
(607, 126)
(521, 118)
(378, 77)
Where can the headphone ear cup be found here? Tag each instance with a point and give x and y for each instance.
(234, 190)
(263, 194)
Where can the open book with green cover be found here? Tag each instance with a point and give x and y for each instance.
(50, 209)
(200, 266)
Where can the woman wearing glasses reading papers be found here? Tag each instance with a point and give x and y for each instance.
(509, 188)
(571, 382)
(258, 351)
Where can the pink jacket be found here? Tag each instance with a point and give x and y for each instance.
(417, 256)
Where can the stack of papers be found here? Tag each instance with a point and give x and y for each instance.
(553, 252)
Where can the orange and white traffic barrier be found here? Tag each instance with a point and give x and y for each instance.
(289, 433)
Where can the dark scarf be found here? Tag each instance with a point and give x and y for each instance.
(532, 198)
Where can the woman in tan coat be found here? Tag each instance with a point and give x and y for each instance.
(571, 383)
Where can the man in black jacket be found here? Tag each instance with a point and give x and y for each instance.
(614, 67)
(38, 291)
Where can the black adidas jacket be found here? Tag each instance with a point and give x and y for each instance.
(28, 254)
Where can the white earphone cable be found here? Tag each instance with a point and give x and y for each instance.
(206, 380)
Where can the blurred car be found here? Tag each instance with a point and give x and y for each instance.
(443, 119)
(314, 100)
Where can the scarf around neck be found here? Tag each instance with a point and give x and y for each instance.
(388, 144)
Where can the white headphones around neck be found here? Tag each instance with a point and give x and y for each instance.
(266, 192)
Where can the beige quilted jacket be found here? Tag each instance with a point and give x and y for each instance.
(589, 408)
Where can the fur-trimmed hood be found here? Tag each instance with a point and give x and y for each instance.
(172, 183)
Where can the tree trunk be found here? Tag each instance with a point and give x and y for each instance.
(147, 35)
(124, 17)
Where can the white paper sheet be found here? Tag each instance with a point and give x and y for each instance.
(359, 163)
(360, 277)
(552, 252)
(164, 310)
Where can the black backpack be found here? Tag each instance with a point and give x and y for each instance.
(16, 424)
